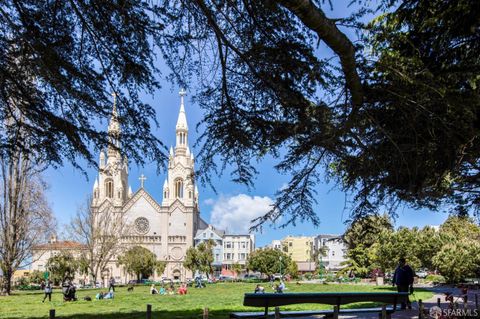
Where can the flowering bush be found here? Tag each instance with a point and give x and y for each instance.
(377, 272)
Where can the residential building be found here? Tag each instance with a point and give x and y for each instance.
(236, 249)
(298, 248)
(211, 233)
(335, 250)
(276, 244)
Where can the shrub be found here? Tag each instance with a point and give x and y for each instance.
(435, 278)
(28, 287)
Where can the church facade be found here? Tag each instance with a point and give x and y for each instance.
(167, 228)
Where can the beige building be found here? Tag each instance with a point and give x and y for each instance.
(41, 254)
(300, 249)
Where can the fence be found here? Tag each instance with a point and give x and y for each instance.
(148, 313)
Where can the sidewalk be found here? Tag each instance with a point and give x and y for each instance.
(439, 292)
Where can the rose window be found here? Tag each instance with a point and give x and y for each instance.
(142, 225)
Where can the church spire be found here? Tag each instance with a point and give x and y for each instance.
(182, 128)
(182, 118)
(114, 130)
(114, 126)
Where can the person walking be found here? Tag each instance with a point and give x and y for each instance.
(403, 278)
(48, 291)
(111, 286)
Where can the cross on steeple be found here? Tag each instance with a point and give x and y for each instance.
(182, 93)
(142, 179)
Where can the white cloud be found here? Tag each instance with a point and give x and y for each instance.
(234, 213)
(209, 201)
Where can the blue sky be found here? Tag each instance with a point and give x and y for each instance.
(234, 204)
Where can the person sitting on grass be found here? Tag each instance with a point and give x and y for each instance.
(279, 288)
(162, 291)
(259, 289)
(108, 295)
(100, 295)
(170, 291)
(182, 290)
(153, 290)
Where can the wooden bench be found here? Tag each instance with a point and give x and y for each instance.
(266, 300)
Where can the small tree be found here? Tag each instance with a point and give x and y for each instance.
(392, 245)
(62, 267)
(139, 261)
(237, 269)
(292, 269)
(101, 234)
(160, 267)
(458, 260)
(360, 236)
(200, 258)
(36, 277)
(268, 261)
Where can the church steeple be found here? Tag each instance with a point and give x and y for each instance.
(113, 169)
(114, 132)
(181, 129)
(180, 182)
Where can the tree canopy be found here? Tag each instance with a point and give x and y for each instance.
(141, 262)
(452, 249)
(389, 115)
(200, 258)
(62, 267)
(270, 261)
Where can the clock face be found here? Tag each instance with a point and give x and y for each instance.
(142, 225)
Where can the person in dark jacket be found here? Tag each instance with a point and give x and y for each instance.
(403, 278)
(111, 286)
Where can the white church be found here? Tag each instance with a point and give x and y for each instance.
(168, 228)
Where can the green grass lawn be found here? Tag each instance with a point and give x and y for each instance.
(220, 298)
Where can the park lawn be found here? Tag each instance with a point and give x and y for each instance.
(220, 298)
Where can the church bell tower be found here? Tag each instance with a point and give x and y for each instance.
(112, 181)
(180, 182)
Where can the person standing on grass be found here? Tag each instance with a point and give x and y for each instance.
(48, 291)
(403, 278)
(111, 286)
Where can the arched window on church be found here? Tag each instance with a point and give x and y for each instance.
(178, 188)
(109, 188)
(190, 194)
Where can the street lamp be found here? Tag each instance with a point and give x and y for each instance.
(280, 267)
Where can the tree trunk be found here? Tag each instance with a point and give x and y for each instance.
(7, 280)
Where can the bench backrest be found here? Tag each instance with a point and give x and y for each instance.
(328, 298)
